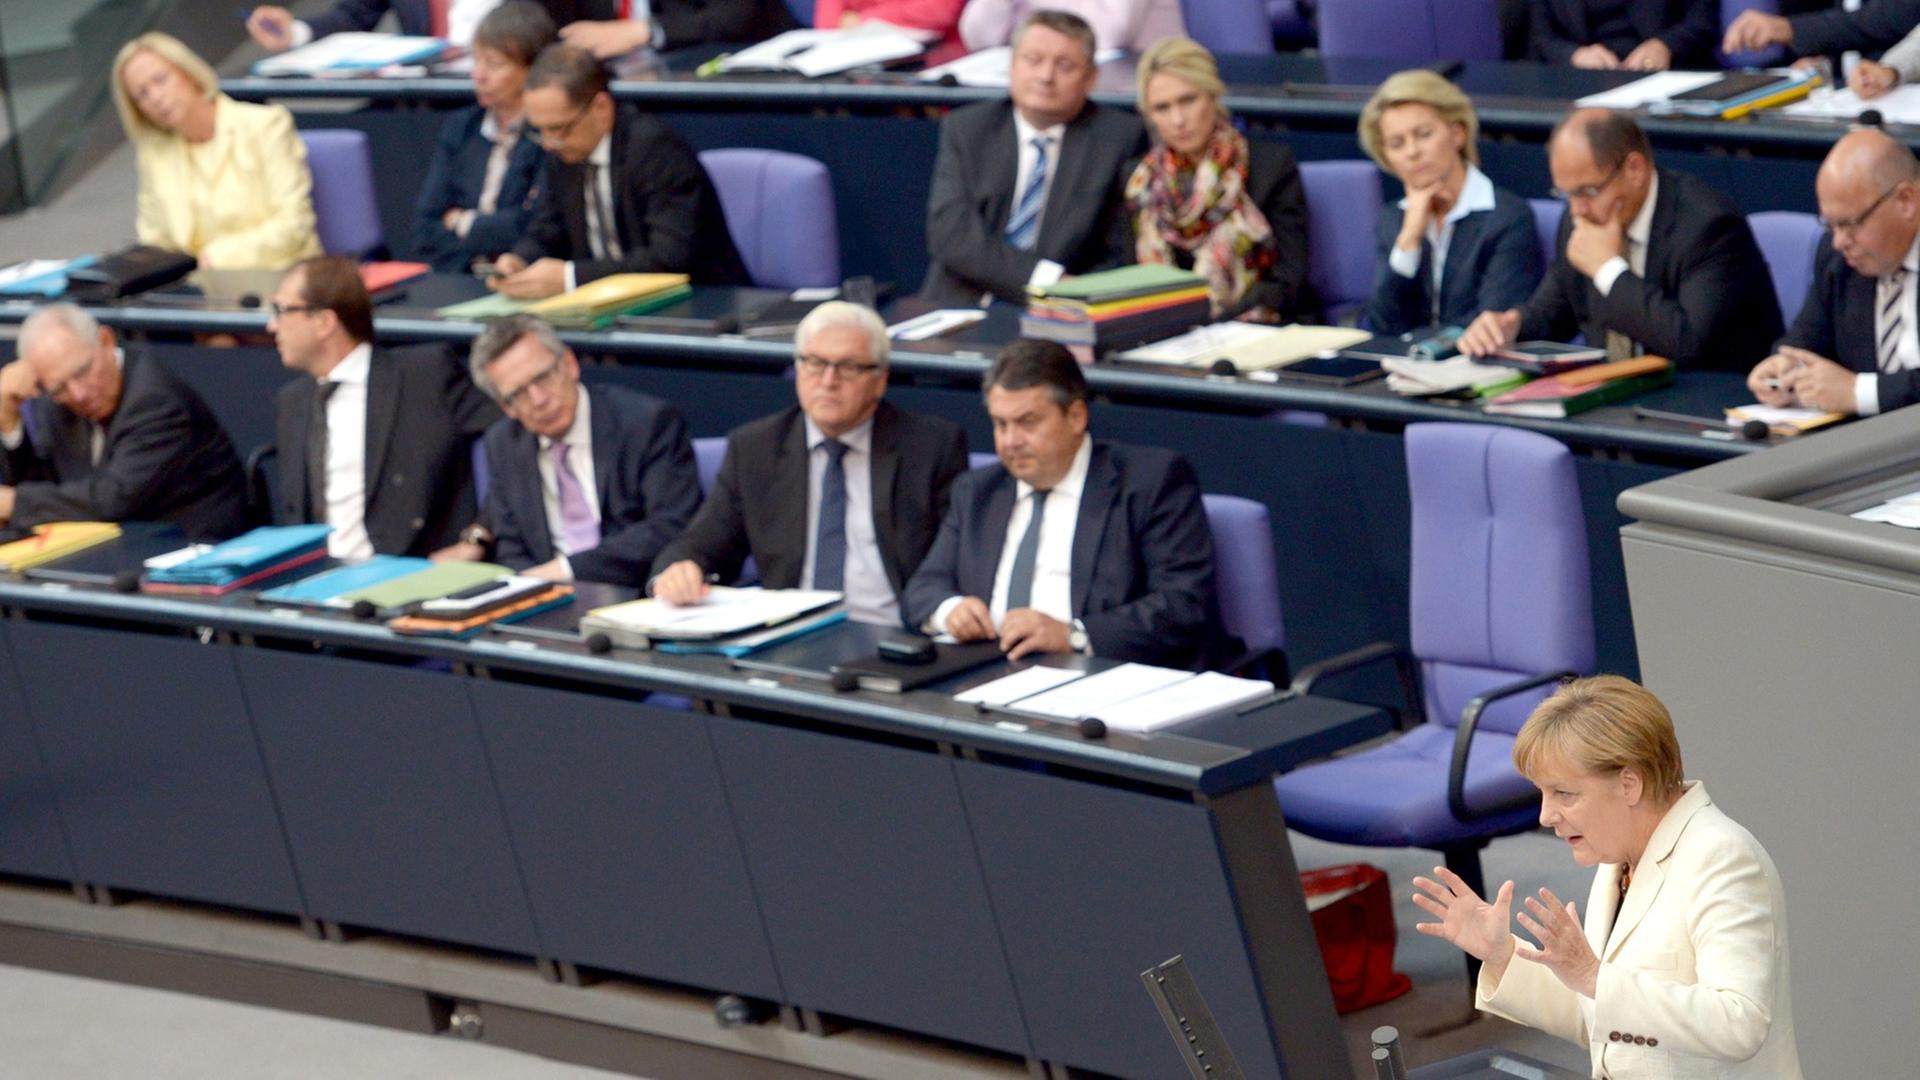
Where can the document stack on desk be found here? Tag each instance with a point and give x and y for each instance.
(730, 622)
(1114, 309)
(1783, 422)
(1559, 396)
(1130, 697)
(55, 540)
(351, 54)
(592, 306)
(324, 590)
(813, 53)
(248, 559)
(107, 562)
(464, 614)
(401, 595)
(40, 277)
(1248, 346)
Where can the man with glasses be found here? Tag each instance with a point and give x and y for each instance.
(586, 483)
(1648, 260)
(115, 437)
(376, 443)
(1854, 347)
(843, 492)
(621, 193)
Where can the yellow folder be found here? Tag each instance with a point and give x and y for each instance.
(55, 540)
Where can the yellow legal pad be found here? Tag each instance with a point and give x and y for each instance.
(55, 540)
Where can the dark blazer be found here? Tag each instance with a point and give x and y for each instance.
(1877, 25)
(1273, 182)
(454, 179)
(423, 413)
(758, 505)
(665, 208)
(1691, 28)
(1493, 263)
(1837, 322)
(165, 458)
(416, 16)
(691, 22)
(1142, 571)
(1706, 302)
(643, 471)
(1083, 227)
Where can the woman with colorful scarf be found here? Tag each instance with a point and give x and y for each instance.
(1208, 200)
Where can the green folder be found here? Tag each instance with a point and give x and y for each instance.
(436, 581)
(1122, 283)
(490, 306)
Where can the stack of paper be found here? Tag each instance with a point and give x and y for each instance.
(55, 540)
(248, 559)
(813, 53)
(1901, 510)
(1556, 397)
(1783, 422)
(1900, 105)
(637, 624)
(40, 277)
(591, 306)
(1251, 346)
(351, 54)
(324, 590)
(1131, 697)
(1117, 308)
(432, 582)
(1427, 378)
(464, 614)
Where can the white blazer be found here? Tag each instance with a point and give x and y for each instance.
(1693, 974)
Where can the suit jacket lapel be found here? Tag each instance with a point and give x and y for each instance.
(788, 507)
(293, 447)
(1659, 231)
(1096, 500)
(982, 563)
(383, 405)
(1862, 328)
(1066, 178)
(526, 467)
(1603, 906)
(1454, 273)
(1647, 880)
(883, 468)
(605, 437)
(1005, 142)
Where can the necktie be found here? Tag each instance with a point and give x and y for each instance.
(580, 531)
(1023, 227)
(317, 452)
(606, 237)
(1892, 318)
(1020, 578)
(830, 535)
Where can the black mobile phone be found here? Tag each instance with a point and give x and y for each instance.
(907, 649)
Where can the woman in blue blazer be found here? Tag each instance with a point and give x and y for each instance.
(1456, 245)
(471, 205)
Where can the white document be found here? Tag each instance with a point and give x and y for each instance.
(828, 52)
(1203, 695)
(934, 324)
(1895, 512)
(1095, 693)
(1251, 346)
(1769, 415)
(724, 611)
(1901, 105)
(1653, 88)
(1420, 377)
(32, 268)
(988, 67)
(351, 51)
(1199, 346)
(1011, 688)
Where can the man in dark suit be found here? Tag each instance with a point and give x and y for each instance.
(1821, 27)
(1639, 35)
(1028, 190)
(120, 439)
(843, 492)
(374, 442)
(1071, 544)
(621, 193)
(587, 484)
(1855, 347)
(1648, 260)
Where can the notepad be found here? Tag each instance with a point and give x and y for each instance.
(1250, 346)
(432, 583)
(1021, 684)
(725, 611)
(55, 540)
(1087, 697)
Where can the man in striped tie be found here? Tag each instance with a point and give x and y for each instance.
(1028, 190)
(1854, 347)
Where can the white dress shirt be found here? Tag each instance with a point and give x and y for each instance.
(1053, 561)
(869, 595)
(1638, 232)
(579, 440)
(602, 157)
(346, 494)
(1475, 195)
(1906, 350)
(1046, 271)
(504, 141)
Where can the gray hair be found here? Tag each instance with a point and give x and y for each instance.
(74, 320)
(853, 316)
(503, 334)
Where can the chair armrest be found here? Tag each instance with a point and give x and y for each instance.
(1270, 664)
(1463, 745)
(1361, 657)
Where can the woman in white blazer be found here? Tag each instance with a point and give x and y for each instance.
(221, 180)
(1680, 969)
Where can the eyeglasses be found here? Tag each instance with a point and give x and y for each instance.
(846, 369)
(548, 381)
(1854, 223)
(281, 310)
(59, 389)
(1589, 191)
(549, 136)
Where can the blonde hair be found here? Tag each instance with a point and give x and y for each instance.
(1418, 87)
(1188, 60)
(173, 51)
(1603, 724)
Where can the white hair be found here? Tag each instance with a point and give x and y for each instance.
(84, 327)
(854, 316)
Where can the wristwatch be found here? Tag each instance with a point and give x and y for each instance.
(1077, 639)
(477, 533)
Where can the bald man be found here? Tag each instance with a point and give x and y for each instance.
(1854, 348)
(1648, 261)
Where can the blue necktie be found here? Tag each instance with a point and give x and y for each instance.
(1023, 227)
(1020, 578)
(830, 535)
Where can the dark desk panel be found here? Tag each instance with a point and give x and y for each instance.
(154, 765)
(33, 840)
(389, 804)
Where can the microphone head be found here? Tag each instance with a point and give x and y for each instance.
(249, 300)
(1871, 118)
(1224, 366)
(949, 79)
(727, 324)
(126, 581)
(844, 679)
(363, 609)
(1093, 728)
(1755, 431)
(598, 643)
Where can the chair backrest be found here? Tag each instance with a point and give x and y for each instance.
(1244, 574)
(780, 211)
(1343, 205)
(1790, 242)
(1500, 575)
(345, 209)
(1290, 23)
(1420, 31)
(980, 459)
(1546, 225)
(708, 453)
(802, 11)
(1229, 26)
(1733, 9)
(482, 472)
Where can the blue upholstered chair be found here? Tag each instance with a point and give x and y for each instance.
(1731, 10)
(1248, 583)
(707, 455)
(1790, 242)
(1230, 26)
(1546, 225)
(780, 211)
(1292, 27)
(345, 209)
(1500, 610)
(1419, 31)
(1343, 201)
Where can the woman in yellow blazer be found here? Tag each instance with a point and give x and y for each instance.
(1681, 967)
(222, 180)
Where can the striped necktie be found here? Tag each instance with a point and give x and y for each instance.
(1023, 227)
(1892, 318)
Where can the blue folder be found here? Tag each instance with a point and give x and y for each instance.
(321, 590)
(244, 555)
(50, 284)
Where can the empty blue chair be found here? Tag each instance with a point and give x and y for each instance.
(1418, 31)
(345, 209)
(780, 212)
(1790, 242)
(1733, 9)
(1500, 610)
(1248, 583)
(707, 455)
(1546, 225)
(1230, 26)
(1343, 202)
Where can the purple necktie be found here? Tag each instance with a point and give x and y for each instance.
(578, 527)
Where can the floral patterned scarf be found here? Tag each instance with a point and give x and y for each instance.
(1201, 207)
